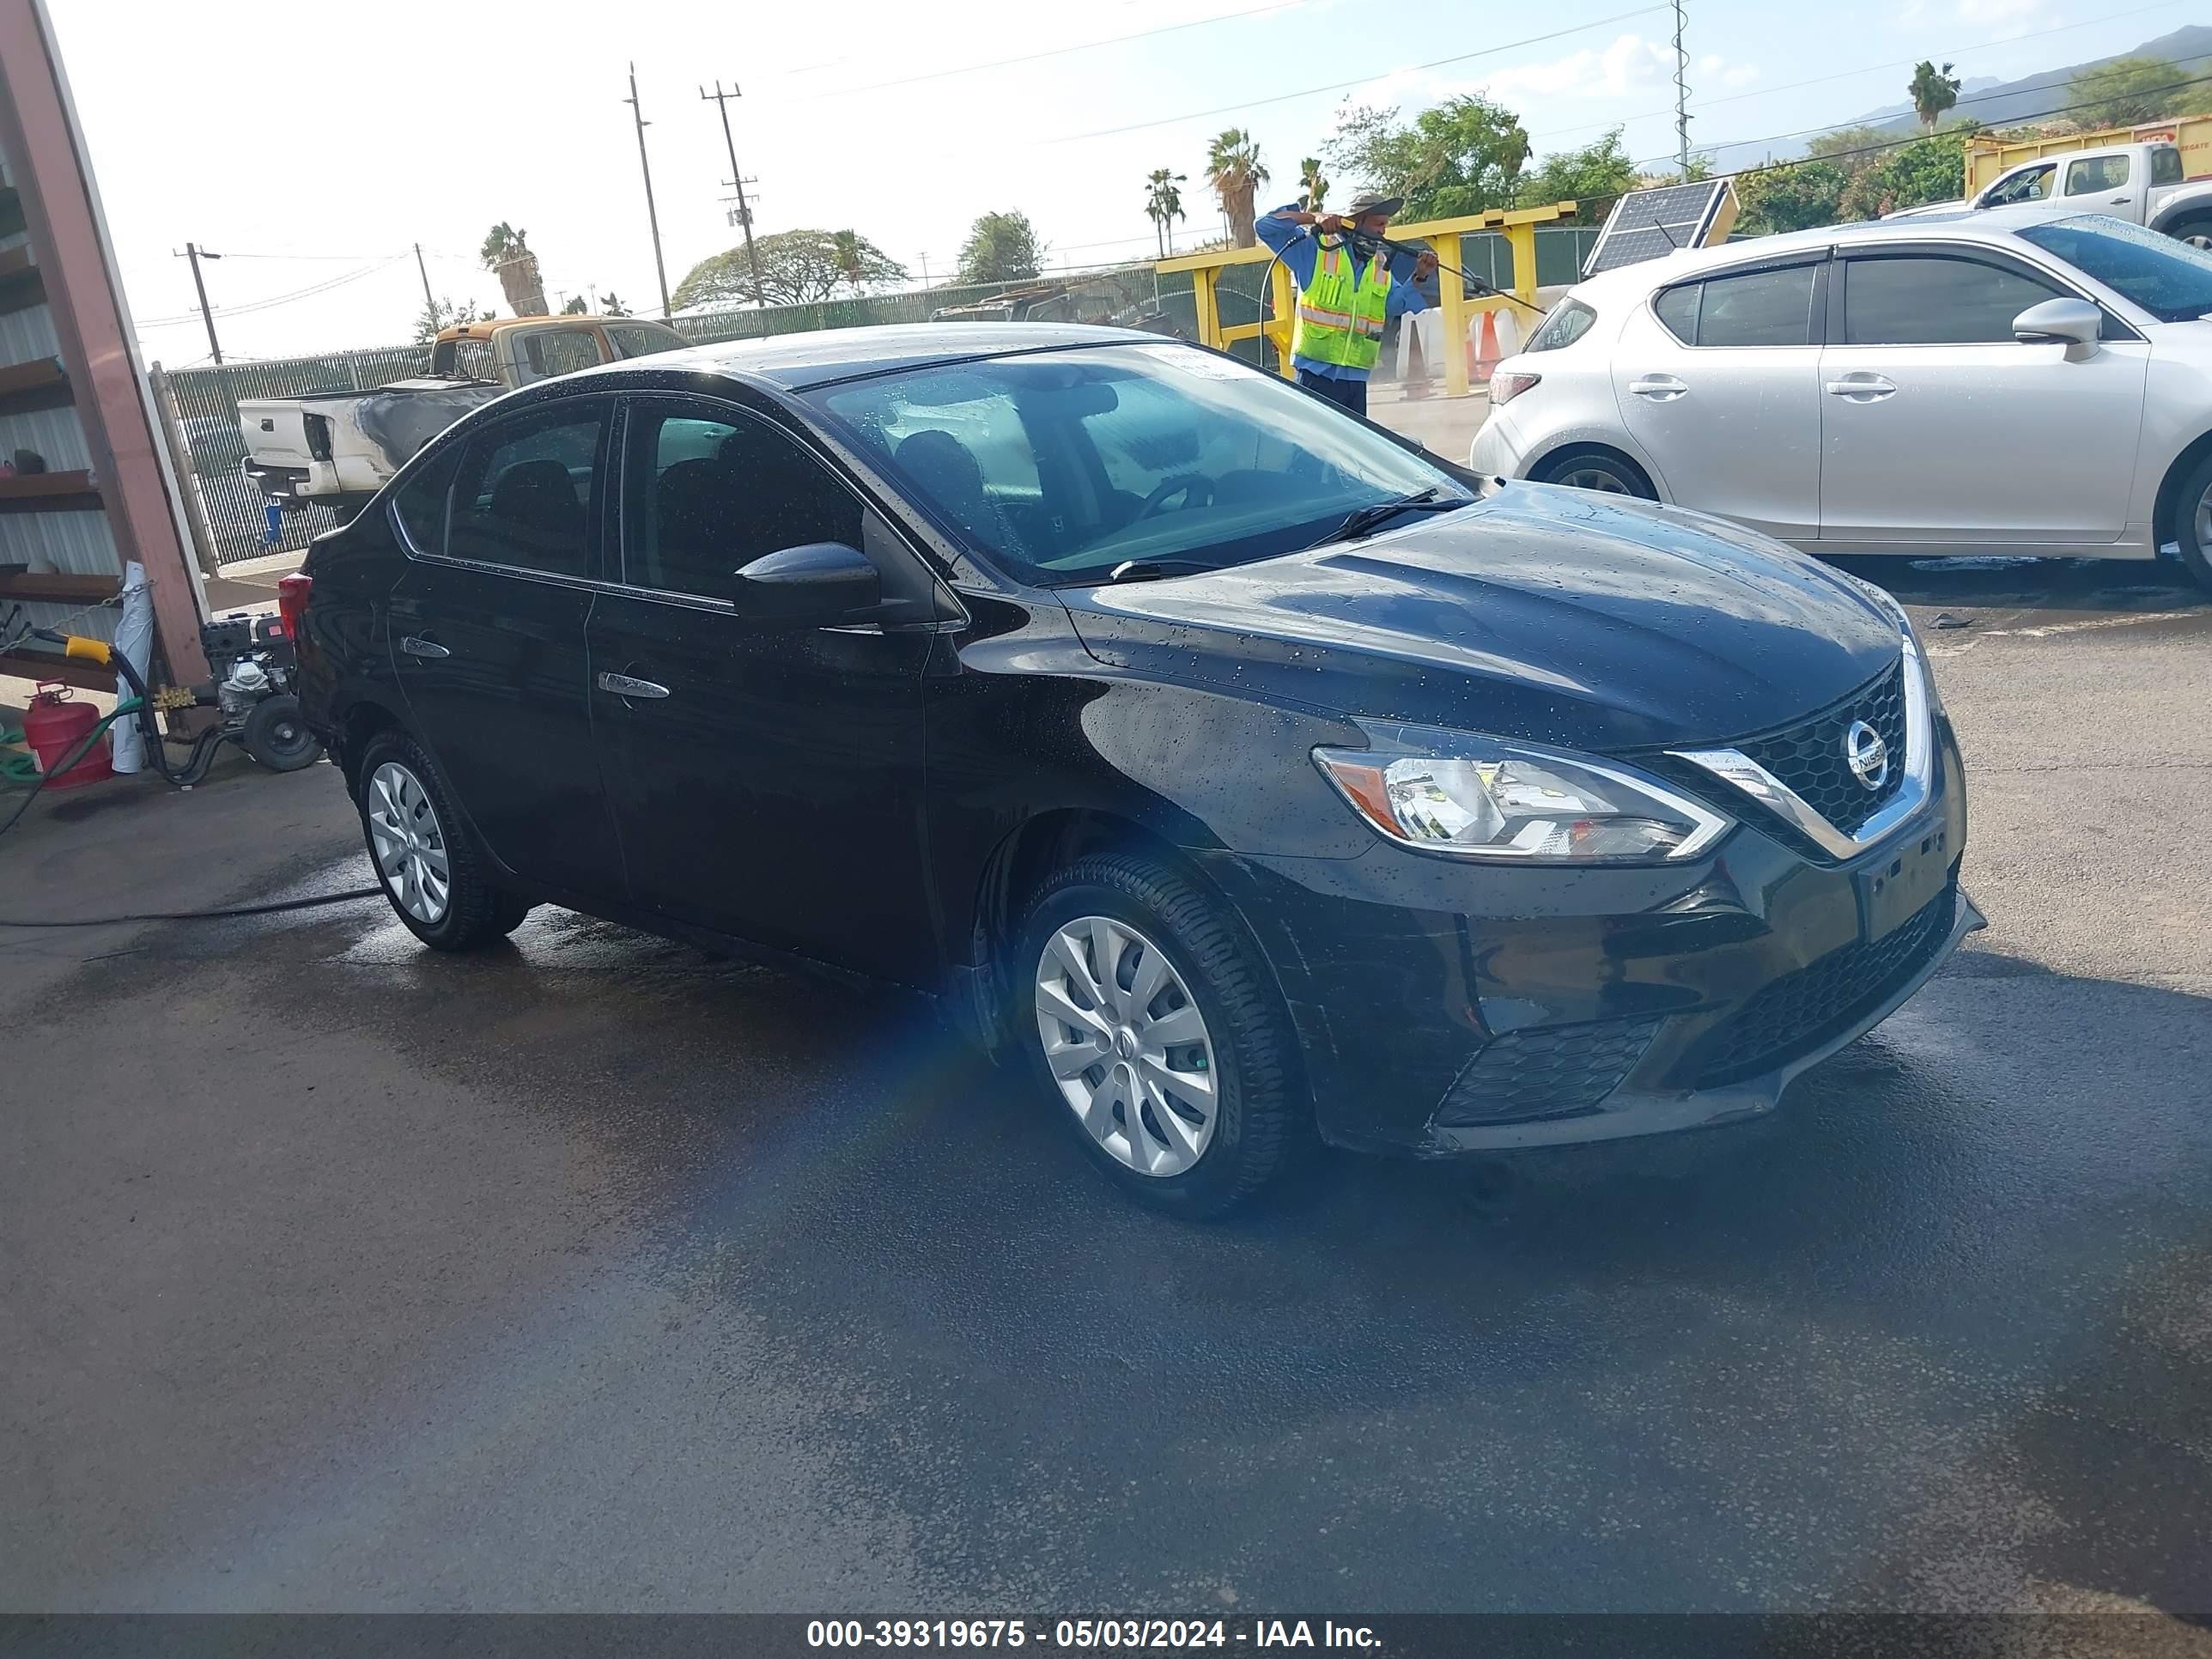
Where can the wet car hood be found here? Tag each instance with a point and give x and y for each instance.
(1551, 615)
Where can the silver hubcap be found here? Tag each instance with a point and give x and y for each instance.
(410, 848)
(1126, 1044)
(2202, 239)
(1595, 478)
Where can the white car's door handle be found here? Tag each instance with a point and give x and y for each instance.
(1659, 388)
(421, 647)
(1861, 388)
(623, 686)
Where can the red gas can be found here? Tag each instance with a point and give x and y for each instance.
(53, 726)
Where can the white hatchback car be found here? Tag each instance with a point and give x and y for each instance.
(1994, 381)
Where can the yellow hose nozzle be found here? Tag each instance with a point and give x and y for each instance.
(76, 645)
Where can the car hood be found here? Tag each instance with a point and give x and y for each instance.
(1551, 615)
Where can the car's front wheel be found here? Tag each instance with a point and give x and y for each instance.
(1156, 1036)
(425, 860)
(2192, 521)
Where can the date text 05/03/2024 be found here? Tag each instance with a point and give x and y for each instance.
(1087, 1633)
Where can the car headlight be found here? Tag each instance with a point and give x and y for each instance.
(1485, 797)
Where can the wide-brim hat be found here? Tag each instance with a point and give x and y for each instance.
(1368, 202)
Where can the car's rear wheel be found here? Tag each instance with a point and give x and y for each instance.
(1603, 470)
(1156, 1036)
(425, 861)
(2192, 521)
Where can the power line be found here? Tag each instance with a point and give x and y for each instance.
(1054, 52)
(2003, 92)
(1339, 86)
(1957, 53)
(271, 301)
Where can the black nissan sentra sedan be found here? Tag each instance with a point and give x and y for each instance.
(1246, 773)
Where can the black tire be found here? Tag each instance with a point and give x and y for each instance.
(474, 913)
(275, 736)
(2187, 534)
(1262, 1121)
(1581, 467)
(2196, 231)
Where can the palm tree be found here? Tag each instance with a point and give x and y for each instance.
(850, 262)
(1164, 202)
(1933, 91)
(1311, 184)
(1233, 169)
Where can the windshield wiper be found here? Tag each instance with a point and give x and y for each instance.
(1150, 570)
(1366, 521)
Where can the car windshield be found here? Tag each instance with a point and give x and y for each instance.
(1062, 465)
(2169, 279)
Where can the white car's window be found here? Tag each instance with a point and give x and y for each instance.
(1758, 308)
(1570, 320)
(642, 339)
(473, 361)
(559, 351)
(2029, 185)
(2165, 165)
(1916, 300)
(2171, 280)
(2098, 172)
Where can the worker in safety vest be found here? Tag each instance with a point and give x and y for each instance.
(1343, 301)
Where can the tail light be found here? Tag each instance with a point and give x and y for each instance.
(1504, 388)
(292, 601)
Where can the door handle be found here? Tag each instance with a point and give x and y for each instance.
(1861, 388)
(1659, 388)
(415, 647)
(623, 686)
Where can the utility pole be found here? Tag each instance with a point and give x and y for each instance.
(738, 181)
(429, 305)
(1681, 94)
(652, 213)
(194, 252)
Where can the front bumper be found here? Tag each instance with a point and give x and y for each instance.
(1443, 1007)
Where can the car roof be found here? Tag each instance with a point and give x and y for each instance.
(798, 362)
(1982, 226)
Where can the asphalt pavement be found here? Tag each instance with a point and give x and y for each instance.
(597, 1273)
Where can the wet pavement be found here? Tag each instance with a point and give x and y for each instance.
(595, 1272)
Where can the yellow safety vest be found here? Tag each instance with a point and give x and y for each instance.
(1341, 311)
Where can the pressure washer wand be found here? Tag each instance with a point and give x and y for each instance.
(1364, 244)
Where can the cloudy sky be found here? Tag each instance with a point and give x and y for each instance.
(313, 144)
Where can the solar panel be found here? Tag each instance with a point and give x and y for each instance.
(1650, 224)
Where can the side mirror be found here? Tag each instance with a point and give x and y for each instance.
(2059, 322)
(814, 583)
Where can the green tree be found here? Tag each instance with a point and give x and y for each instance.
(1236, 173)
(862, 263)
(1164, 202)
(1001, 247)
(611, 304)
(1591, 178)
(1850, 144)
(1932, 91)
(577, 306)
(1795, 198)
(1313, 187)
(501, 243)
(437, 315)
(2126, 92)
(1464, 155)
(795, 266)
(1932, 169)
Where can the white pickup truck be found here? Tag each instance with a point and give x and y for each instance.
(338, 448)
(2143, 184)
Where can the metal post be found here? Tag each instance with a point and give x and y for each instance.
(194, 252)
(737, 179)
(1681, 94)
(652, 213)
(429, 305)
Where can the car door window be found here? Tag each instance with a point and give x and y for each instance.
(1678, 309)
(549, 352)
(709, 492)
(2031, 185)
(1936, 301)
(420, 503)
(2165, 166)
(2098, 173)
(529, 489)
(1758, 308)
(642, 339)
